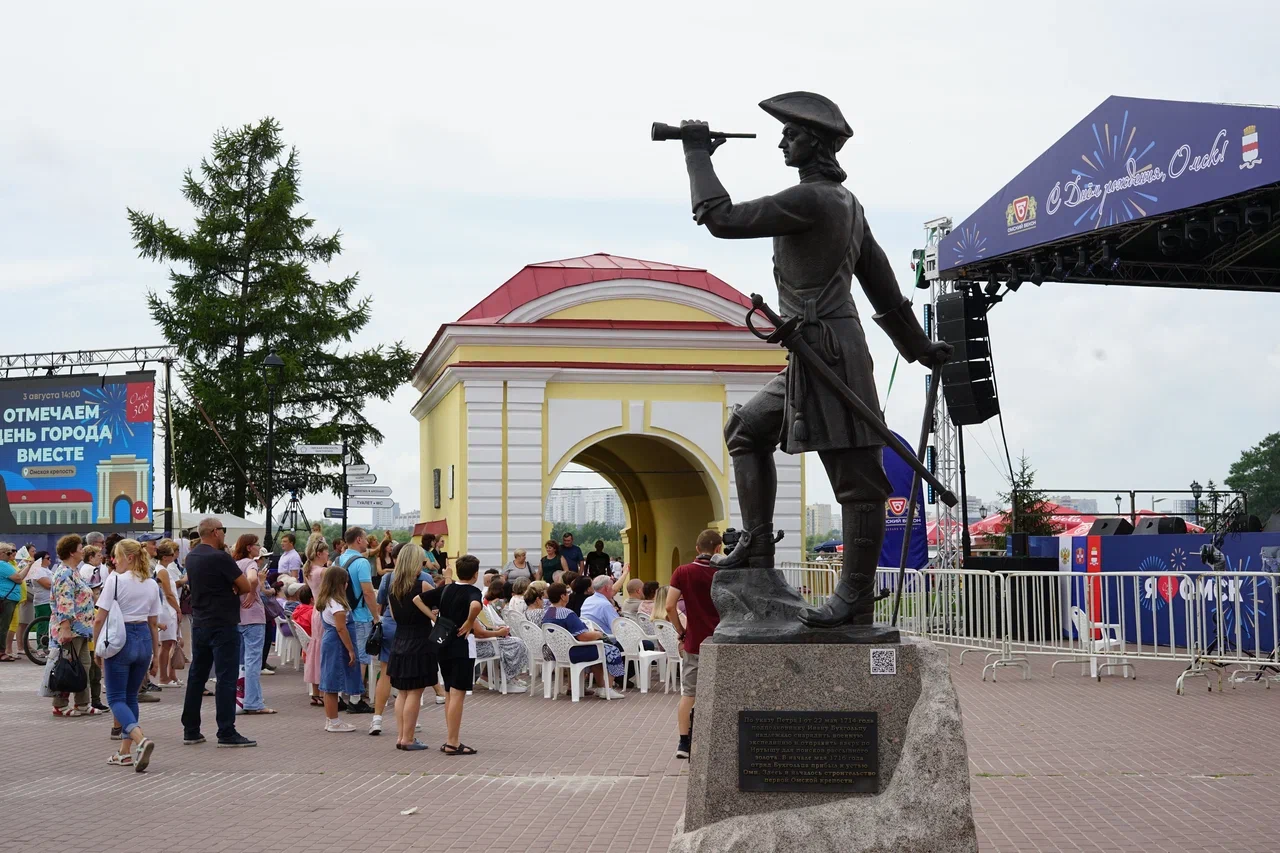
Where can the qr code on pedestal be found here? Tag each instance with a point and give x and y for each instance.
(884, 661)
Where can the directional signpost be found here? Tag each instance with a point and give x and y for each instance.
(357, 469)
(361, 479)
(370, 503)
(333, 512)
(369, 491)
(318, 449)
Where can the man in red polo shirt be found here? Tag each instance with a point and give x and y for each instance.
(693, 582)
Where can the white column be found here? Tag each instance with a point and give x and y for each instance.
(483, 400)
(525, 400)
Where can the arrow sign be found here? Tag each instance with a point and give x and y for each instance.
(317, 449)
(333, 512)
(371, 503)
(357, 469)
(369, 491)
(361, 479)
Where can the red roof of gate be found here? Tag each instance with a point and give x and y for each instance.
(538, 280)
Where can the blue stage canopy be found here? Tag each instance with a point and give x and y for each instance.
(1133, 172)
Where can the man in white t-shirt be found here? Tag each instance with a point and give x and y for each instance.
(290, 559)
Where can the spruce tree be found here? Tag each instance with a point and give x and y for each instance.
(241, 285)
(1029, 510)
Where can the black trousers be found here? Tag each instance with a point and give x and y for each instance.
(216, 649)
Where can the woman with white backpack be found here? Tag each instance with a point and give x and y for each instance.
(126, 638)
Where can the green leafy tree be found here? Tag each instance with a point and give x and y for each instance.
(1029, 510)
(241, 285)
(1257, 473)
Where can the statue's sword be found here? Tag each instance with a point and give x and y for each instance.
(788, 334)
(925, 428)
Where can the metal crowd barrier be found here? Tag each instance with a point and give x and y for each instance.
(1214, 622)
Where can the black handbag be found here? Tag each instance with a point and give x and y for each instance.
(373, 645)
(443, 631)
(68, 674)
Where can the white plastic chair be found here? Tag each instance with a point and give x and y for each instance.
(593, 625)
(645, 623)
(1096, 647)
(513, 620)
(300, 636)
(631, 637)
(669, 639)
(489, 659)
(561, 642)
(288, 647)
(531, 635)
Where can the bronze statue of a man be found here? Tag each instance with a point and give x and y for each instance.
(821, 241)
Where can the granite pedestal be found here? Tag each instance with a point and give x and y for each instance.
(922, 781)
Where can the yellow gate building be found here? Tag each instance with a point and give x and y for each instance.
(626, 367)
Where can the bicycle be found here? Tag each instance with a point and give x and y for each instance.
(36, 643)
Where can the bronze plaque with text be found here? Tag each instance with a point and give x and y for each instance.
(812, 751)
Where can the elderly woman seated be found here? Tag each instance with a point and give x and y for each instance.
(558, 613)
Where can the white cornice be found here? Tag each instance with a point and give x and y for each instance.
(627, 288)
(453, 375)
(453, 336)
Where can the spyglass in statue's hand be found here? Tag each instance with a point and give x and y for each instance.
(666, 133)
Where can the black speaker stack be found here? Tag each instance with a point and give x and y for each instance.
(966, 379)
(1160, 525)
(1111, 527)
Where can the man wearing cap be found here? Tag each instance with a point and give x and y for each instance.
(821, 242)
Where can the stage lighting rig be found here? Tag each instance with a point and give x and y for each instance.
(993, 283)
(1082, 258)
(1169, 239)
(1037, 272)
(1059, 267)
(1015, 278)
(1257, 217)
(1226, 224)
(1197, 232)
(1110, 258)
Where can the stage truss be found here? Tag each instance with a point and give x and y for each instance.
(944, 450)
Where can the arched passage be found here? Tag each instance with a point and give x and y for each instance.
(667, 495)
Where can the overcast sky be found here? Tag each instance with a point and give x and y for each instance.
(453, 146)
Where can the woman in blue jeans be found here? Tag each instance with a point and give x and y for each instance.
(130, 586)
(253, 624)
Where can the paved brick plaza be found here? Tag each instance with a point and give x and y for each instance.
(1058, 764)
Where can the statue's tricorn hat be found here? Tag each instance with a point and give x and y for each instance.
(811, 110)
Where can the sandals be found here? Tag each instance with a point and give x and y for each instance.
(460, 749)
(248, 713)
(7, 658)
(412, 747)
(68, 712)
(142, 754)
(118, 760)
(317, 701)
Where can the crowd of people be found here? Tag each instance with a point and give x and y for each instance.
(134, 613)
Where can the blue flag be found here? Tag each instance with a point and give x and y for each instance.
(895, 511)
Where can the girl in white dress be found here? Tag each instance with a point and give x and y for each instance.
(170, 613)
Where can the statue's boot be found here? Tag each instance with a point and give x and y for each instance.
(853, 602)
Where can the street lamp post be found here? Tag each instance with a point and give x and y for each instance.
(1117, 504)
(1155, 501)
(1196, 491)
(272, 368)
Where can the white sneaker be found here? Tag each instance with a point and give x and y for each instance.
(266, 671)
(482, 682)
(417, 727)
(338, 726)
(375, 726)
(517, 687)
(439, 700)
(608, 693)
